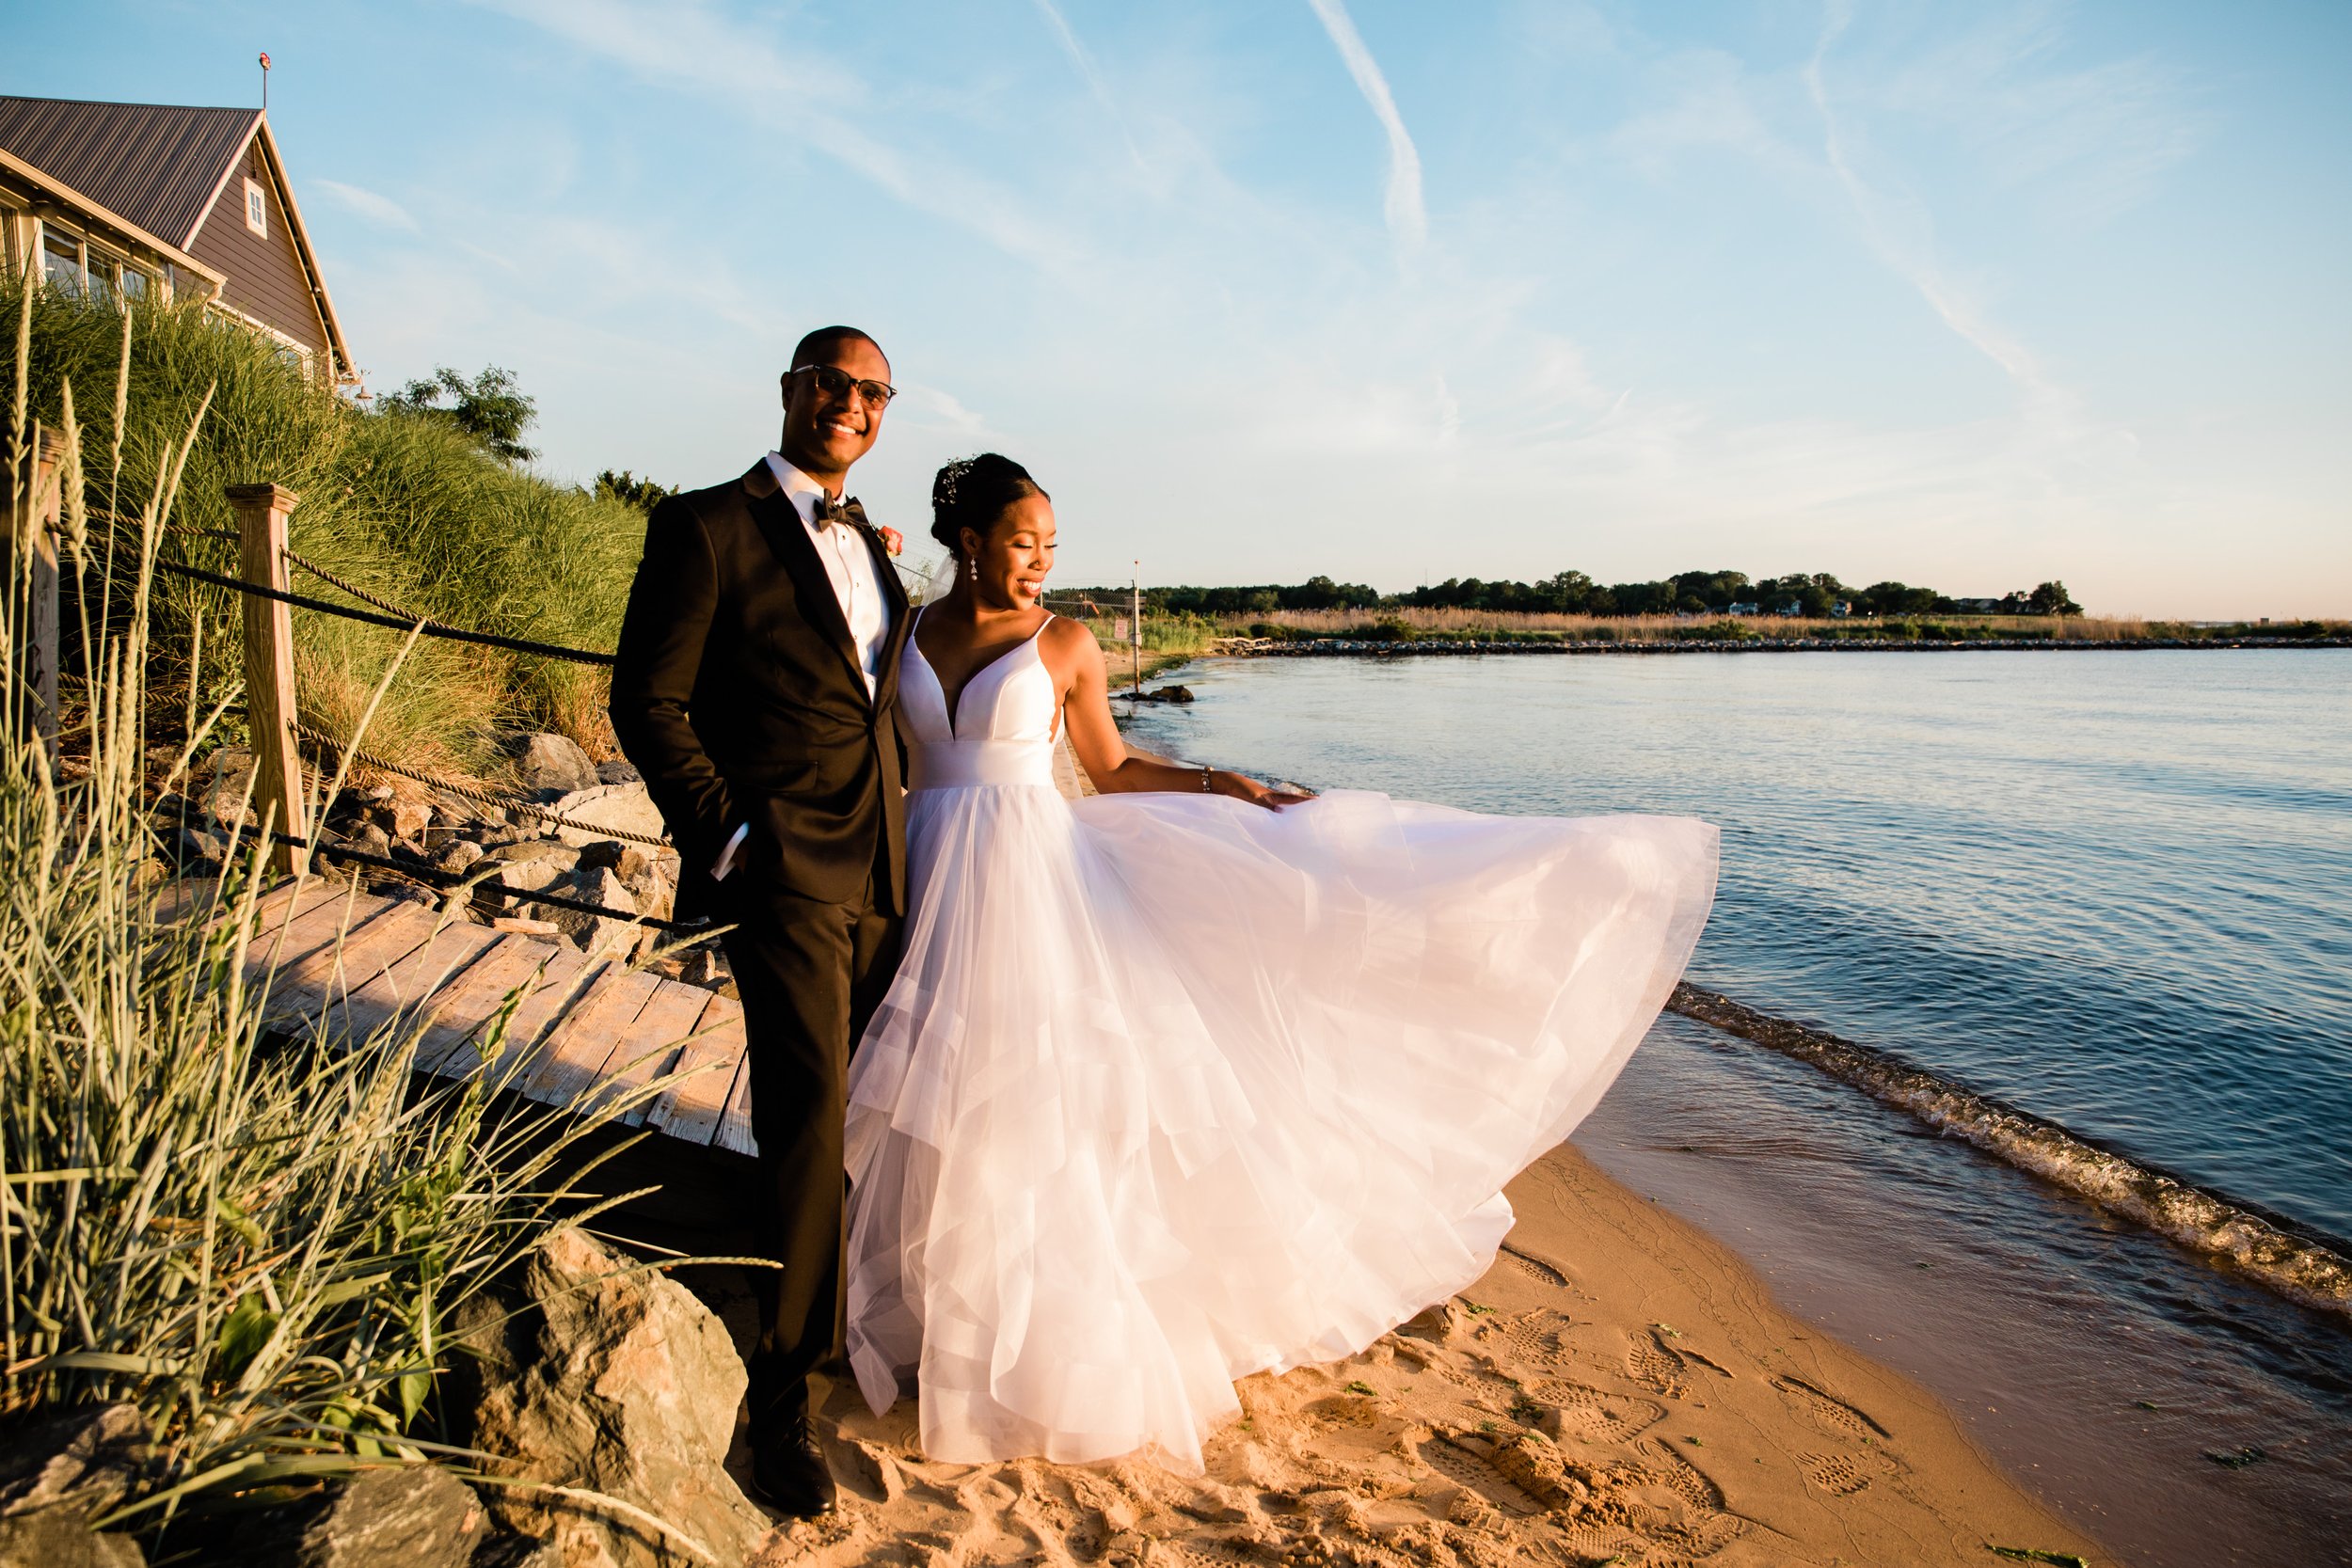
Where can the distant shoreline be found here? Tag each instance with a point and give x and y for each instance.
(1341, 647)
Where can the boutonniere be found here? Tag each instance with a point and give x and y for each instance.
(893, 541)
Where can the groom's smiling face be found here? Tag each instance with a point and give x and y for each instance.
(825, 432)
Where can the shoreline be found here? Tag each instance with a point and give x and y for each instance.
(1618, 1387)
(1330, 647)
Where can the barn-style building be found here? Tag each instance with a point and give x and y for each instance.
(137, 198)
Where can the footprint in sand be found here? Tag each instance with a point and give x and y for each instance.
(1655, 1367)
(1595, 1416)
(1839, 1475)
(1454, 1459)
(1828, 1409)
(1535, 1268)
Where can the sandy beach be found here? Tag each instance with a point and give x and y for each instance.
(1618, 1389)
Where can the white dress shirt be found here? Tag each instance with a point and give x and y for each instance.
(848, 562)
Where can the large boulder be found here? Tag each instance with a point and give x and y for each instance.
(595, 934)
(532, 864)
(554, 763)
(616, 1382)
(58, 1470)
(624, 806)
(397, 1516)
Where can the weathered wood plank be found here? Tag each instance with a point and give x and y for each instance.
(652, 1045)
(588, 1030)
(576, 1050)
(315, 915)
(405, 985)
(735, 1128)
(329, 972)
(692, 1110)
(464, 1009)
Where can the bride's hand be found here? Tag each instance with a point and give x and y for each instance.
(1242, 789)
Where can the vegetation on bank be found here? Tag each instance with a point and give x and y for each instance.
(1799, 596)
(258, 1242)
(423, 503)
(1171, 638)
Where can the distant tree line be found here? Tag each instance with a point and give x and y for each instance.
(1815, 595)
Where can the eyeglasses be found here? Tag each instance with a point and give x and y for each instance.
(836, 383)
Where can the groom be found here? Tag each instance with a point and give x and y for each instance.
(756, 689)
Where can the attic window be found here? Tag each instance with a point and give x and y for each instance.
(255, 209)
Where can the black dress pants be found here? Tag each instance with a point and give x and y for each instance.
(811, 974)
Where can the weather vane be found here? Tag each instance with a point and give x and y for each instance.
(265, 81)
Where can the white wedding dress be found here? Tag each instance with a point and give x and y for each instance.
(1172, 1088)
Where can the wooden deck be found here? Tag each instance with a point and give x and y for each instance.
(589, 1027)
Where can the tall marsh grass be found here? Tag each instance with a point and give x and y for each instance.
(405, 506)
(256, 1239)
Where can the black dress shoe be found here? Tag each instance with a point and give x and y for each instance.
(789, 1468)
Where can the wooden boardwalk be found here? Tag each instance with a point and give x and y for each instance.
(354, 961)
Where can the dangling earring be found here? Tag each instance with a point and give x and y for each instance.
(975, 564)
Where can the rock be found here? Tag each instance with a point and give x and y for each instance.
(655, 886)
(60, 1537)
(622, 1384)
(603, 851)
(56, 1471)
(1170, 694)
(460, 856)
(368, 839)
(403, 819)
(705, 966)
(220, 783)
(552, 762)
(408, 1515)
(533, 864)
(617, 772)
(624, 806)
(596, 933)
(197, 844)
(87, 1452)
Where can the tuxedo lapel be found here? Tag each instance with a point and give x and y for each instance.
(901, 617)
(787, 539)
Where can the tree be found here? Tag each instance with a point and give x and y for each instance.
(626, 487)
(2051, 600)
(489, 407)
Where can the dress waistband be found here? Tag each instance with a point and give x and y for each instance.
(964, 764)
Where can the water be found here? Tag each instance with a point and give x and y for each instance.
(2113, 888)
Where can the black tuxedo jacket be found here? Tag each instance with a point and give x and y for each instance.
(736, 692)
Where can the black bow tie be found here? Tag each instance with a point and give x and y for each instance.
(828, 512)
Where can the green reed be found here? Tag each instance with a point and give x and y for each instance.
(253, 1233)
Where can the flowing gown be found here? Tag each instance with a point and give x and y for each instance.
(1171, 1089)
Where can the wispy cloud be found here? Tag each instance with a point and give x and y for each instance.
(1082, 61)
(1901, 235)
(1409, 224)
(796, 93)
(382, 210)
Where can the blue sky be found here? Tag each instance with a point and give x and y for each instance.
(1968, 294)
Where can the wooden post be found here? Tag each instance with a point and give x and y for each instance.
(1134, 588)
(269, 675)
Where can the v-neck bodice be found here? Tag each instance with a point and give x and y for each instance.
(1002, 731)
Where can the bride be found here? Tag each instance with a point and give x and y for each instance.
(1194, 1078)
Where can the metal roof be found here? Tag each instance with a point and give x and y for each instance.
(159, 164)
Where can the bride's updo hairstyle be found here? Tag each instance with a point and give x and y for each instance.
(973, 492)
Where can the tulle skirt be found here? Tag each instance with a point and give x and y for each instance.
(1170, 1089)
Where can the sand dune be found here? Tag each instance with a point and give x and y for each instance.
(1618, 1389)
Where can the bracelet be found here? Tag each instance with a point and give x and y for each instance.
(1204, 780)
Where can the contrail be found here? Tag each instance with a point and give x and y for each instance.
(1407, 223)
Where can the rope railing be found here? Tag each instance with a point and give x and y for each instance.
(430, 627)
